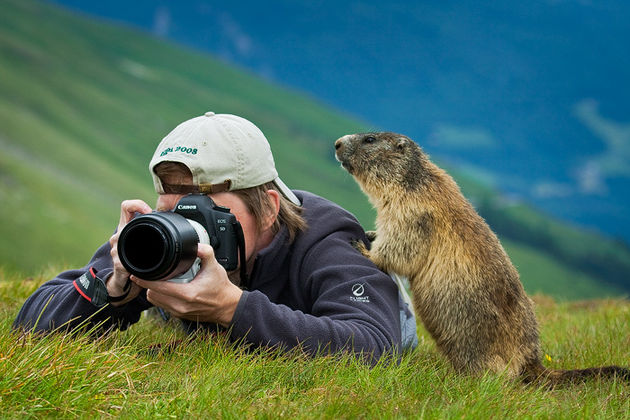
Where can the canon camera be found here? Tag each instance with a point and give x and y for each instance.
(163, 244)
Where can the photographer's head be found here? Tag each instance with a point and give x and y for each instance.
(228, 158)
(223, 153)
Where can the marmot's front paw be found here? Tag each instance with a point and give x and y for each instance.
(360, 246)
(371, 235)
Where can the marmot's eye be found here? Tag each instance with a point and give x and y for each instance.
(369, 139)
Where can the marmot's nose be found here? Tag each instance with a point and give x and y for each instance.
(338, 143)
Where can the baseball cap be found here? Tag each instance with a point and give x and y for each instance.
(224, 152)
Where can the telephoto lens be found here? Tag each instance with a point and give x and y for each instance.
(158, 245)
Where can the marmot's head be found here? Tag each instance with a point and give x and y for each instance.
(383, 163)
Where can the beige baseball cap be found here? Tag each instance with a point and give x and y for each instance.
(224, 152)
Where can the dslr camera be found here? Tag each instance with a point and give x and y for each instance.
(163, 244)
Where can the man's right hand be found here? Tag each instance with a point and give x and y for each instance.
(118, 280)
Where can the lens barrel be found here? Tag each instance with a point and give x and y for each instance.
(155, 245)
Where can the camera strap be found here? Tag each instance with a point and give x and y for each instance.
(93, 289)
(240, 240)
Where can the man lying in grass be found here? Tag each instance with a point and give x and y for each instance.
(293, 280)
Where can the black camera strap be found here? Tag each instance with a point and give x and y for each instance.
(93, 289)
(240, 240)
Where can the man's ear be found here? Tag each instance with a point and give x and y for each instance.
(274, 199)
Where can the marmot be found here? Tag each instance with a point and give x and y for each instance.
(464, 286)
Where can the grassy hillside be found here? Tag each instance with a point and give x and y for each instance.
(83, 105)
(206, 377)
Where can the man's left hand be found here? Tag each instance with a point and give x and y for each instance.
(209, 297)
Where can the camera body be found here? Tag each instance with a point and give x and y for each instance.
(163, 244)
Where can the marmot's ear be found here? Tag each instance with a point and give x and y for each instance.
(400, 143)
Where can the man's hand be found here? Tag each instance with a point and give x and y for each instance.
(117, 281)
(209, 297)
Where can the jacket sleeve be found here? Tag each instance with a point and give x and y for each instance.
(350, 306)
(58, 305)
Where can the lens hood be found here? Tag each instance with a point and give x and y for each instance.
(157, 245)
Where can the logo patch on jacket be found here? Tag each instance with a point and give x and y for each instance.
(358, 293)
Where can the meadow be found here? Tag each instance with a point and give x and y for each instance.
(135, 374)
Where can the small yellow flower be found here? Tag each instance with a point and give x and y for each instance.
(547, 357)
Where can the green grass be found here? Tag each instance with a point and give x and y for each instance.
(207, 377)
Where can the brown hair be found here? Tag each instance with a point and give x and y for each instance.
(255, 198)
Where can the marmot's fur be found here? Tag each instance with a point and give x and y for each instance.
(465, 289)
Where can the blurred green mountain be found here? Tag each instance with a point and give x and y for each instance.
(83, 105)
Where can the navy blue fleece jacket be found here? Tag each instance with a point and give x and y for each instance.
(317, 292)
